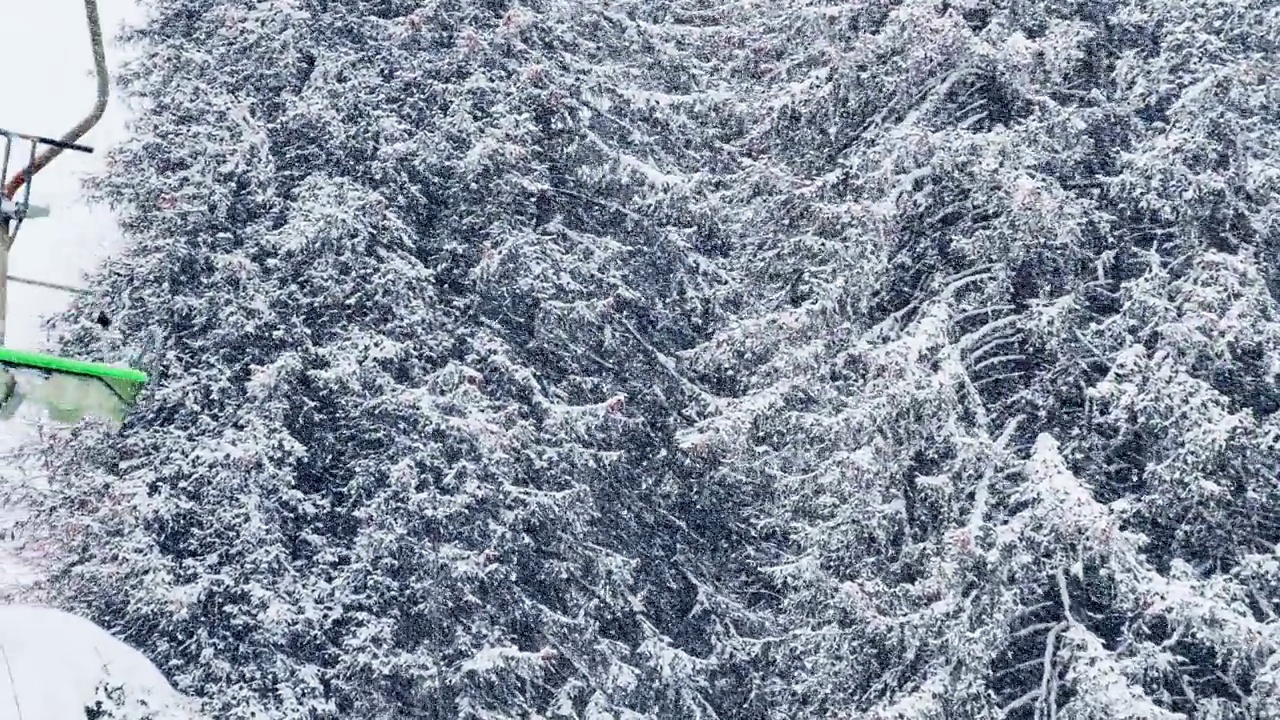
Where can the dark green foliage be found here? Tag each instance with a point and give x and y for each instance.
(410, 281)
(792, 359)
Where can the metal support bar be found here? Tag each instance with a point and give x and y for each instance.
(41, 140)
(50, 285)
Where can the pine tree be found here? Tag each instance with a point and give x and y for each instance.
(960, 225)
(410, 281)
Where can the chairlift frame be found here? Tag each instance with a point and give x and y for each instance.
(125, 383)
(13, 213)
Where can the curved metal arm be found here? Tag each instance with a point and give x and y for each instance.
(104, 90)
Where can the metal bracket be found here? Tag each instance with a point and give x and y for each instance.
(16, 210)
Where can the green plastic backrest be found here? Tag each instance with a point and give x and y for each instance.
(126, 382)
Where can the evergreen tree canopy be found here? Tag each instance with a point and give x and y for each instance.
(657, 359)
(410, 279)
(1007, 272)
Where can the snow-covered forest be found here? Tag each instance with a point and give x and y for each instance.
(657, 359)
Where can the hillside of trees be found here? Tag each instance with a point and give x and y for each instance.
(656, 359)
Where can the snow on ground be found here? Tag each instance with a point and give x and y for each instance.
(54, 664)
(52, 91)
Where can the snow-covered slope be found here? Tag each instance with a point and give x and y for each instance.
(54, 664)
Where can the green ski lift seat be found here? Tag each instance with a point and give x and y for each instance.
(68, 390)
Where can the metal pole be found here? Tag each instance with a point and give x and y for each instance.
(49, 285)
(42, 140)
(6, 242)
(68, 141)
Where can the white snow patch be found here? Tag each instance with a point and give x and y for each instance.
(54, 662)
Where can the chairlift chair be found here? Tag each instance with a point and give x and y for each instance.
(67, 390)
